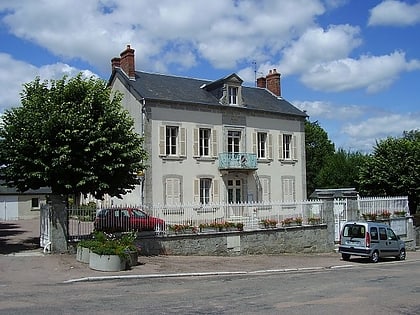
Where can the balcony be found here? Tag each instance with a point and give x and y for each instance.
(237, 161)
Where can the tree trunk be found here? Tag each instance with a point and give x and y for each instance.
(59, 224)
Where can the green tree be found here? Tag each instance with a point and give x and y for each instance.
(394, 168)
(73, 136)
(318, 149)
(341, 170)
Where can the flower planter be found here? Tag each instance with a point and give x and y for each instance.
(83, 254)
(107, 262)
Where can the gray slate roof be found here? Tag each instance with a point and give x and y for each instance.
(159, 87)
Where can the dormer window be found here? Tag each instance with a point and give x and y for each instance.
(233, 95)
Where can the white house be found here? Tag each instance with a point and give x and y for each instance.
(212, 141)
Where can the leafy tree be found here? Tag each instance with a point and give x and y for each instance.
(318, 149)
(394, 168)
(341, 170)
(73, 136)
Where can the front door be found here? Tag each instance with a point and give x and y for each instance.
(234, 189)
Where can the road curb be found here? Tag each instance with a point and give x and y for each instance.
(202, 274)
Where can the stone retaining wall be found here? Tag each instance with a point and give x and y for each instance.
(298, 239)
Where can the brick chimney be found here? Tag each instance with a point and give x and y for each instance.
(273, 82)
(261, 82)
(127, 62)
(115, 63)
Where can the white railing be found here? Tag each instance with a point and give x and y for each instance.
(378, 205)
(249, 213)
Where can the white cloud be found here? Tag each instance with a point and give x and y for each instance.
(371, 72)
(363, 135)
(317, 45)
(327, 110)
(223, 32)
(396, 13)
(11, 82)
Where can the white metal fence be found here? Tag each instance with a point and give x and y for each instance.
(251, 214)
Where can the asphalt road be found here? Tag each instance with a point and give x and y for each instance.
(384, 288)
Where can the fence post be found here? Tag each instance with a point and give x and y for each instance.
(328, 214)
(59, 224)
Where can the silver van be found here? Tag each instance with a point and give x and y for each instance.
(370, 239)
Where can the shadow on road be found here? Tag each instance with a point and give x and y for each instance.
(14, 238)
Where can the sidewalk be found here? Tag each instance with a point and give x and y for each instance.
(34, 267)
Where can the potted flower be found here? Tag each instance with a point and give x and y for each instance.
(268, 223)
(83, 250)
(314, 220)
(399, 213)
(287, 221)
(240, 226)
(298, 220)
(369, 216)
(112, 253)
(385, 214)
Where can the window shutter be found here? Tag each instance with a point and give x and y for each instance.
(196, 139)
(197, 190)
(215, 191)
(162, 140)
(269, 146)
(281, 147)
(173, 191)
(183, 142)
(254, 143)
(214, 143)
(294, 148)
(265, 185)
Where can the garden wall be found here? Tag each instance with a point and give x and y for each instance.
(297, 239)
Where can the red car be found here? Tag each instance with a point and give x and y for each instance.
(126, 219)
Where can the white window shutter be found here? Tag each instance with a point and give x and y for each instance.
(173, 191)
(269, 146)
(294, 148)
(214, 143)
(265, 185)
(183, 142)
(254, 143)
(215, 191)
(162, 140)
(281, 147)
(197, 190)
(196, 139)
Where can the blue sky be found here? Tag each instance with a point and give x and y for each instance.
(354, 66)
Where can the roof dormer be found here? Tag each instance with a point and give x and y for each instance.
(228, 90)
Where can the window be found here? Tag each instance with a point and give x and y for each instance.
(262, 145)
(234, 139)
(233, 95)
(171, 140)
(206, 190)
(204, 142)
(35, 203)
(287, 147)
(382, 234)
(205, 185)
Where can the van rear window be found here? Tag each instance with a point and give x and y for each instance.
(354, 230)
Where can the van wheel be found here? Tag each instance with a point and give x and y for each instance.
(401, 256)
(375, 257)
(345, 257)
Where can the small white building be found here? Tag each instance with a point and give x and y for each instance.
(15, 205)
(212, 141)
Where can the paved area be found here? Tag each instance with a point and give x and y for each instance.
(22, 261)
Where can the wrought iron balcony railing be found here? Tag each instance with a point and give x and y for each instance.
(238, 161)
